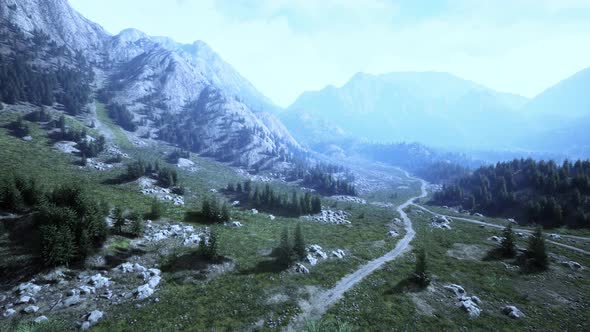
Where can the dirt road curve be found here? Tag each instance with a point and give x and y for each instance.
(479, 222)
(320, 303)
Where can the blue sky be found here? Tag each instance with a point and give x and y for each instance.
(285, 47)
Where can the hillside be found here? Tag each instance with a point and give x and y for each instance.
(153, 78)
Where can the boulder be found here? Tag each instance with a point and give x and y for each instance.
(554, 236)
(28, 288)
(154, 281)
(85, 325)
(254, 211)
(25, 299)
(236, 224)
(478, 215)
(512, 312)
(470, 306)
(312, 260)
(512, 221)
(98, 281)
(572, 265)
(456, 289)
(300, 268)
(339, 253)
(86, 290)
(392, 233)
(94, 316)
(143, 292)
(271, 217)
(496, 238)
(72, 300)
(9, 313)
(31, 309)
(40, 319)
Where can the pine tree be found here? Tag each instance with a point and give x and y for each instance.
(420, 273)
(507, 247)
(206, 208)
(225, 213)
(299, 243)
(211, 247)
(137, 226)
(536, 252)
(285, 250)
(156, 209)
(118, 220)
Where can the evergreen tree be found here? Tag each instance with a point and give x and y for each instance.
(225, 213)
(206, 208)
(285, 250)
(507, 247)
(420, 273)
(156, 209)
(137, 226)
(118, 220)
(536, 252)
(209, 249)
(299, 243)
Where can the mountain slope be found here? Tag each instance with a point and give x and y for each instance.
(429, 107)
(154, 77)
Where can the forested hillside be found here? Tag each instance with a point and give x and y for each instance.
(538, 192)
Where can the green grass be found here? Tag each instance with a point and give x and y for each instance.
(377, 304)
(120, 137)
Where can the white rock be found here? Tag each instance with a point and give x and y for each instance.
(254, 211)
(470, 306)
(40, 319)
(235, 203)
(94, 316)
(154, 281)
(144, 291)
(456, 289)
(312, 260)
(271, 217)
(28, 288)
(300, 268)
(72, 300)
(392, 233)
(31, 309)
(496, 238)
(572, 265)
(86, 290)
(555, 236)
(85, 326)
(512, 312)
(9, 313)
(236, 224)
(98, 281)
(339, 253)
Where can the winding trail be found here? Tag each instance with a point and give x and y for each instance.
(479, 222)
(320, 303)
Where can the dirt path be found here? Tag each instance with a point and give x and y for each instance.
(479, 222)
(320, 303)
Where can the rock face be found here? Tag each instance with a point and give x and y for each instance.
(512, 312)
(187, 82)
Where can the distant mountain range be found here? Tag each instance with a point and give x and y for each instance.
(442, 110)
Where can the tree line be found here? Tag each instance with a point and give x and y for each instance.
(540, 192)
(167, 177)
(323, 178)
(267, 199)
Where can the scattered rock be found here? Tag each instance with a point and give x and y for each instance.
(72, 300)
(572, 265)
(28, 288)
(456, 289)
(186, 164)
(66, 147)
(470, 306)
(40, 319)
(143, 292)
(31, 309)
(300, 268)
(98, 281)
(512, 312)
(25, 299)
(339, 253)
(393, 233)
(94, 316)
(9, 313)
(352, 199)
(330, 217)
(312, 260)
(86, 290)
(317, 250)
(440, 222)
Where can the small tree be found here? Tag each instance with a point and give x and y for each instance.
(137, 226)
(118, 219)
(507, 247)
(285, 250)
(536, 253)
(225, 213)
(299, 243)
(156, 209)
(420, 273)
(210, 249)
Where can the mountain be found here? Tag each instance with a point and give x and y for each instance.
(433, 108)
(559, 117)
(158, 80)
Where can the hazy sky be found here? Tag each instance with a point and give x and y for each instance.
(285, 47)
